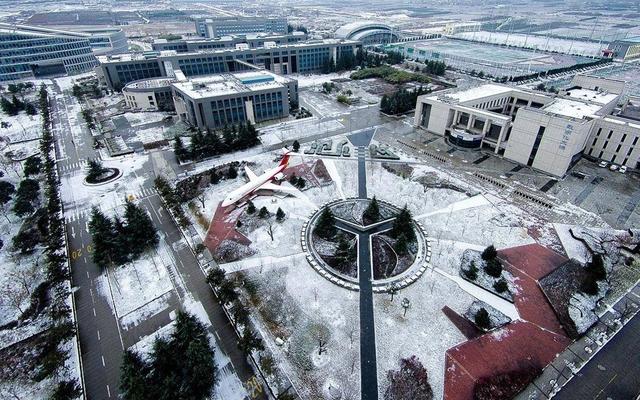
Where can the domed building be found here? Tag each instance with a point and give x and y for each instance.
(368, 32)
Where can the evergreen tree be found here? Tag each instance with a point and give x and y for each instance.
(296, 146)
(227, 291)
(403, 224)
(232, 173)
(493, 267)
(179, 150)
(66, 390)
(96, 169)
(372, 212)
(240, 313)
(280, 214)
(26, 196)
(472, 272)
(228, 137)
(325, 226)
(30, 109)
(249, 342)
(17, 104)
(264, 213)
(133, 380)
(104, 238)
(140, 233)
(489, 253)
(32, 165)
(501, 285)
(401, 246)
(215, 276)
(6, 191)
(251, 208)
(301, 183)
(482, 319)
(8, 107)
(214, 178)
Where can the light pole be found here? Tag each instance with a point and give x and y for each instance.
(405, 304)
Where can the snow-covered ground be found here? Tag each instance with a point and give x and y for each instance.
(21, 127)
(300, 129)
(305, 80)
(543, 43)
(143, 118)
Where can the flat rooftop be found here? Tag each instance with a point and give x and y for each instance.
(477, 93)
(149, 55)
(572, 108)
(226, 84)
(592, 96)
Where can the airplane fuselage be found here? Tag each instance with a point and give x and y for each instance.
(252, 186)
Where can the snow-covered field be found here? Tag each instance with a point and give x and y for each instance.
(305, 80)
(543, 43)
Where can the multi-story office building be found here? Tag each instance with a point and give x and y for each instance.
(229, 42)
(231, 98)
(547, 132)
(225, 26)
(31, 52)
(304, 57)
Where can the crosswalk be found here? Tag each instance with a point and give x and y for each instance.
(73, 166)
(76, 215)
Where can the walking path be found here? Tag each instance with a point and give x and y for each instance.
(368, 363)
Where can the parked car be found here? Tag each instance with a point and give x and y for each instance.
(613, 167)
(603, 164)
(623, 169)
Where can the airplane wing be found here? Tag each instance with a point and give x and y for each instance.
(279, 188)
(250, 174)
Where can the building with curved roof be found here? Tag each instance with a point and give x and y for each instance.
(368, 32)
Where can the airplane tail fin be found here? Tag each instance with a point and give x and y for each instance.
(285, 158)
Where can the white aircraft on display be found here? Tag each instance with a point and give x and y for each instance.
(262, 182)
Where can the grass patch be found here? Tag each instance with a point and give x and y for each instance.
(390, 75)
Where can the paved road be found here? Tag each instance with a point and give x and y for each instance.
(196, 286)
(101, 338)
(613, 373)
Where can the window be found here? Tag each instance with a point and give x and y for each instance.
(536, 144)
(609, 135)
(605, 145)
(623, 138)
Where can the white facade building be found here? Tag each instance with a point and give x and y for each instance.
(546, 132)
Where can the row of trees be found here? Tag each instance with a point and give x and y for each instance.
(209, 144)
(345, 62)
(225, 289)
(401, 101)
(172, 200)
(15, 105)
(117, 241)
(435, 67)
(52, 352)
(179, 367)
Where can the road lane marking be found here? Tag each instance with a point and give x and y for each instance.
(218, 336)
(108, 391)
(98, 335)
(103, 364)
(94, 312)
(88, 275)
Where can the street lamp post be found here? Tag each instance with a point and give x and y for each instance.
(405, 304)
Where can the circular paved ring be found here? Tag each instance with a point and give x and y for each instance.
(402, 280)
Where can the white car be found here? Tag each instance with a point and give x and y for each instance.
(613, 167)
(603, 164)
(623, 169)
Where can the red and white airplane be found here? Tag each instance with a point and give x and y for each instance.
(262, 182)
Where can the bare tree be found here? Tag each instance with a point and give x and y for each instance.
(270, 228)
(320, 333)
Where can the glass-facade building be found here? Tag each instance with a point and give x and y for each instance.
(304, 57)
(31, 53)
(225, 26)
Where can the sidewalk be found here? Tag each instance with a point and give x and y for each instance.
(569, 363)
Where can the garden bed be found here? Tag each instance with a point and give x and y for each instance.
(483, 279)
(387, 262)
(108, 175)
